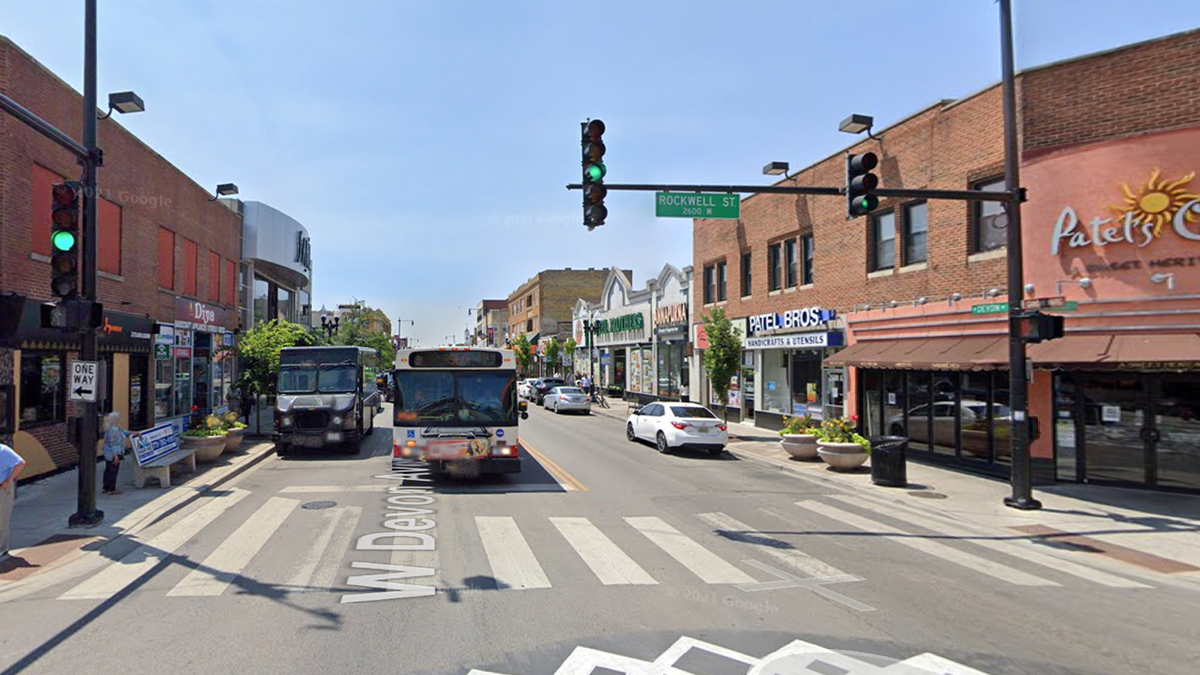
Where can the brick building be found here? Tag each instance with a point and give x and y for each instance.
(168, 262)
(875, 317)
(491, 323)
(542, 306)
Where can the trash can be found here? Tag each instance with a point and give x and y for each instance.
(888, 466)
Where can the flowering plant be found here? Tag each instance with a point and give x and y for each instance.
(231, 421)
(842, 430)
(798, 425)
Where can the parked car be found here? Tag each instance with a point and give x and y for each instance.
(673, 425)
(524, 387)
(567, 399)
(543, 385)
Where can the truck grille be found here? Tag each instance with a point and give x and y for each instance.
(311, 419)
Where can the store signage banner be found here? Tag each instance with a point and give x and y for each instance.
(621, 324)
(195, 315)
(671, 314)
(1166, 203)
(800, 341)
(808, 317)
(154, 443)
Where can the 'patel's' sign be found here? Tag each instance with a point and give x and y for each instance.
(1141, 220)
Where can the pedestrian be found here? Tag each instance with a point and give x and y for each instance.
(11, 466)
(114, 449)
(586, 385)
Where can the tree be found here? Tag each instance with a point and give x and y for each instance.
(723, 356)
(522, 350)
(552, 351)
(258, 353)
(569, 349)
(354, 328)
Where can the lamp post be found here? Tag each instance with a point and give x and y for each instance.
(224, 190)
(330, 327)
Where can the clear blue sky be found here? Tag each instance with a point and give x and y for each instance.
(426, 145)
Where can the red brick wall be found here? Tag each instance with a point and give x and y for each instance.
(1147, 87)
(148, 189)
(189, 267)
(214, 277)
(943, 147)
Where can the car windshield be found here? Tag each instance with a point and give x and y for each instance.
(336, 379)
(455, 398)
(297, 380)
(692, 411)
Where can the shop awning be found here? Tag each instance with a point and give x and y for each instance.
(948, 353)
(1171, 351)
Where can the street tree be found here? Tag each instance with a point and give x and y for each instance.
(258, 353)
(355, 329)
(552, 351)
(523, 352)
(723, 354)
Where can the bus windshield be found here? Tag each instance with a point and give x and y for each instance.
(448, 398)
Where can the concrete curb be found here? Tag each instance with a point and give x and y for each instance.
(173, 499)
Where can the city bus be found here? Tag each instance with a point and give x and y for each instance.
(456, 409)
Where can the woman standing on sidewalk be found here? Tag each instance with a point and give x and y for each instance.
(114, 449)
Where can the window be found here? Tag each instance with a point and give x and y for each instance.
(262, 293)
(916, 231)
(883, 241)
(789, 263)
(189, 267)
(746, 274)
(775, 266)
(166, 258)
(710, 284)
(229, 287)
(214, 277)
(989, 226)
(108, 224)
(43, 387)
(721, 281)
(806, 259)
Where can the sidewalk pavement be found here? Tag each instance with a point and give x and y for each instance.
(1130, 529)
(41, 540)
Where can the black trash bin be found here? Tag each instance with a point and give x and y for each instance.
(888, 467)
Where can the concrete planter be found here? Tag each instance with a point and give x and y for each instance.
(233, 439)
(207, 449)
(842, 456)
(800, 446)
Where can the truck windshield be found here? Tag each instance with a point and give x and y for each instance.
(297, 380)
(336, 379)
(447, 398)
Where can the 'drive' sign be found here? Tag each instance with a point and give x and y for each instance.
(83, 381)
(689, 205)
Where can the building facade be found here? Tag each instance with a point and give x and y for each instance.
(167, 277)
(491, 323)
(276, 270)
(543, 306)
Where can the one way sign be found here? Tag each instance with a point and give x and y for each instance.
(84, 382)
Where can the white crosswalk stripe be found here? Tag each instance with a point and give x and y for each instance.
(703, 563)
(739, 531)
(609, 563)
(225, 564)
(302, 573)
(1025, 552)
(512, 561)
(938, 550)
(112, 579)
(326, 573)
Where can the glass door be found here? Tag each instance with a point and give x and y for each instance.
(1175, 433)
(835, 393)
(1116, 438)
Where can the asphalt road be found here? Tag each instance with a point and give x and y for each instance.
(601, 552)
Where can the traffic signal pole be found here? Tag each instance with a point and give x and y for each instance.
(86, 512)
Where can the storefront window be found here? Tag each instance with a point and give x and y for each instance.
(920, 411)
(1116, 451)
(1065, 456)
(262, 291)
(284, 305)
(894, 407)
(670, 362)
(43, 387)
(806, 383)
(1177, 421)
(777, 393)
(164, 380)
(946, 411)
(183, 373)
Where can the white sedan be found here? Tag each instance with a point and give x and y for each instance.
(673, 425)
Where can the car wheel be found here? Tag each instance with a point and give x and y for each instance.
(556, 410)
(897, 430)
(629, 432)
(661, 442)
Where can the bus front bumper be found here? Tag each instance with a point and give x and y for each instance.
(481, 466)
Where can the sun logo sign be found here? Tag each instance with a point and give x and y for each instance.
(1141, 218)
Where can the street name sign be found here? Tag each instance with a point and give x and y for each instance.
(990, 308)
(693, 205)
(84, 382)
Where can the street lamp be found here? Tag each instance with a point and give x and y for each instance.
(224, 190)
(330, 327)
(123, 102)
(856, 124)
(776, 169)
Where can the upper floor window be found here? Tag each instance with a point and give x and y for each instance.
(789, 263)
(721, 281)
(710, 284)
(989, 225)
(883, 241)
(746, 278)
(806, 259)
(916, 233)
(775, 267)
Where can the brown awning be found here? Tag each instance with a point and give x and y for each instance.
(948, 353)
(1164, 351)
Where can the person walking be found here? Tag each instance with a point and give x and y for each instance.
(114, 449)
(11, 466)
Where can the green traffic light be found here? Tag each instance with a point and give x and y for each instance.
(596, 171)
(62, 241)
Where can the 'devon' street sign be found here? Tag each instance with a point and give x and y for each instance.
(692, 205)
(990, 308)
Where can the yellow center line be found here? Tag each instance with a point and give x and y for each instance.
(554, 468)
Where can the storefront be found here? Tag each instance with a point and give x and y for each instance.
(276, 266)
(671, 292)
(619, 326)
(789, 348)
(739, 404)
(193, 363)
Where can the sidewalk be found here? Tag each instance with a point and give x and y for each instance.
(1141, 530)
(41, 540)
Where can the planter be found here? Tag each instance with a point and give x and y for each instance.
(800, 446)
(842, 456)
(233, 438)
(207, 449)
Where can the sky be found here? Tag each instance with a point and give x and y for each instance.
(426, 145)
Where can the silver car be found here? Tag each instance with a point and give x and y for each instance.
(565, 399)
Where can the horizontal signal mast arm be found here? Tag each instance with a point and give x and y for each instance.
(960, 195)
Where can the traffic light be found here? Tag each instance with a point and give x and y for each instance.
(1038, 327)
(64, 240)
(861, 184)
(594, 192)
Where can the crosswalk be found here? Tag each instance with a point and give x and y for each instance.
(202, 556)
